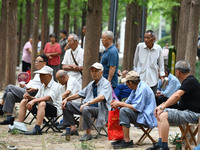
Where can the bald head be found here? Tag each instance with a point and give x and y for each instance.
(62, 77)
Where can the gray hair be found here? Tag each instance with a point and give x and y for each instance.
(63, 73)
(75, 37)
(152, 33)
(183, 66)
(109, 34)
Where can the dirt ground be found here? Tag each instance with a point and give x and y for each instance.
(54, 141)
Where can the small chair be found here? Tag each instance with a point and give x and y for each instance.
(99, 130)
(146, 133)
(185, 131)
(50, 122)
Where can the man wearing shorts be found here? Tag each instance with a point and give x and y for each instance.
(188, 109)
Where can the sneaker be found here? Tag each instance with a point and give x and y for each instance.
(116, 142)
(124, 144)
(33, 132)
(71, 133)
(85, 137)
(154, 147)
(5, 122)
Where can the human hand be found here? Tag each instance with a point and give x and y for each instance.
(30, 105)
(115, 104)
(81, 108)
(158, 111)
(63, 103)
(22, 85)
(27, 96)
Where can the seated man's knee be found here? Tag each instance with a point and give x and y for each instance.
(124, 111)
(85, 110)
(42, 105)
(163, 116)
(24, 102)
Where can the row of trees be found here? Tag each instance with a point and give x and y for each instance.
(71, 16)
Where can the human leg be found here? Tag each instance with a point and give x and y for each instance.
(22, 110)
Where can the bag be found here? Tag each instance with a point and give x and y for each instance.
(115, 131)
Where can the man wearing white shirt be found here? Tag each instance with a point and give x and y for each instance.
(73, 59)
(148, 61)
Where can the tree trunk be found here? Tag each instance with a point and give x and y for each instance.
(67, 19)
(183, 29)
(20, 34)
(11, 42)
(28, 20)
(44, 34)
(57, 17)
(84, 13)
(35, 34)
(193, 29)
(75, 24)
(91, 51)
(175, 12)
(3, 43)
(127, 40)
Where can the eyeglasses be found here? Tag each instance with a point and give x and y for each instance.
(37, 61)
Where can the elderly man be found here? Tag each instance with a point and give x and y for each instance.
(47, 102)
(13, 94)
(97, 98)
(188, 109)
(73, 59)
(138, 108)
(110, 58)
(148, 59)
(71, 86)
(163, 93)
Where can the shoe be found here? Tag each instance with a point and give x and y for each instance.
(71, 133)
(162, 148)
(85, 137)
(1, 111)
(116, 142)
(124, 144)
(154, 147)
(61, 126)
(5, 122)
(33, 132)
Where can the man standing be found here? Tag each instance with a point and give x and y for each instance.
(47, 102)
(63, 43)
(137, 109)
(149, 61)
(73, 59)
(188, 109)
(110, 58)
(97, 98)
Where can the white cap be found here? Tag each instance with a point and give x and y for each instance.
(45, 70)
(97, 66)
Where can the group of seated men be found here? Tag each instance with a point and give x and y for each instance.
(52, 99)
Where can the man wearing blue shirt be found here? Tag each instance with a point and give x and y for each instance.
(163, 93)
(138, 108)
(110, 58)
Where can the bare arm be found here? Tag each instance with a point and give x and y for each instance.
(70, 98)
(66, 94)
(111, 72)
(72, 68)
(30, 50)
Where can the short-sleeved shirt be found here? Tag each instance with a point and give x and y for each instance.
(26, 54)
(68, 60)
(103, 88)
(35, 82)
(143, 100)
(191, 98)
(109, 58)
(172, 86)
(55, 60)
(74, 87)
(53, 90)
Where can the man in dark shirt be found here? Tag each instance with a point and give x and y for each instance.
(189, 105)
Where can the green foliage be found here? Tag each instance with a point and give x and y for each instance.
(197, 73)
(172, 139)
(162, 42)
